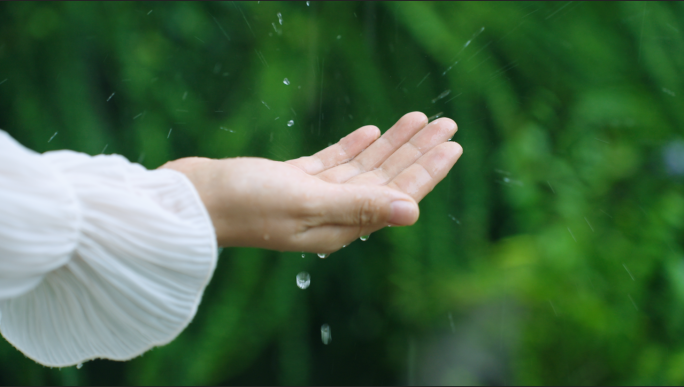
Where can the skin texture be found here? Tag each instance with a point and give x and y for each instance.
(322, 202)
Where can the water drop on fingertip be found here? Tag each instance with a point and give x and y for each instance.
(79, 366)
(303, 255)
(364, 237)
(303, 280)
(322, 255)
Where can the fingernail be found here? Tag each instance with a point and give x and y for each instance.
(403, 213)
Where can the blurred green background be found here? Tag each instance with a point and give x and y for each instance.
(551, 254)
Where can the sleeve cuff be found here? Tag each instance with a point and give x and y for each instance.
(146, 252)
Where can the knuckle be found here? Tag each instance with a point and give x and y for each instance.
(369, 213)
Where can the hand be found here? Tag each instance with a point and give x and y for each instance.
(322, 202)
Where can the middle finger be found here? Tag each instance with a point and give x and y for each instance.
(437, 132)
(379, 151)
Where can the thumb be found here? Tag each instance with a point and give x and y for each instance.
(370, 208)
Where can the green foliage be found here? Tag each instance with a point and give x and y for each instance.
(551, 254)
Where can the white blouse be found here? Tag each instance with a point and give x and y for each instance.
(99, 257)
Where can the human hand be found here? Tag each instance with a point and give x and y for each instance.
(322, 202)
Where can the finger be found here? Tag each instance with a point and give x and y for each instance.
(344, 150)
(437, 132)
(345, 212)
(380, 150)
(421, 177)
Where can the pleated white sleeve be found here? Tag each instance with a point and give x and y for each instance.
(99, 257)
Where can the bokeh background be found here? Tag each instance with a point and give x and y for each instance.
(551, 254)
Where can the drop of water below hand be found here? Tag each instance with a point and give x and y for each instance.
(79, 366)
(303, 280)
(365, 237)
(322, 255)
(326, 335)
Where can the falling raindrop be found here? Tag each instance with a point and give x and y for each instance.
(79, 366)
(454, 219)
(290, 122)
(442, 95)
(110, 97)
(326, 336)
(307, 3)
(280, 18)
(303, 280)
(435, 116)
(364, 237)
(322, 255)
(286, 81)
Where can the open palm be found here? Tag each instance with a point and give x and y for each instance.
(322, 202)
(411, 157)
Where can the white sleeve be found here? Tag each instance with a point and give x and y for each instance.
(99, 257)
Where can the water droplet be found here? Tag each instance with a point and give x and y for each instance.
(326, 336)
(343, 246)
(436, 116)
(506, 180)
(307, 3)
(286, 81)
(79, 366)
(442, 95)
(322, 255)
(454, 219)
(303, 280)
(280, 18)
(290, 122)
(364, 237)
(303, 255)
